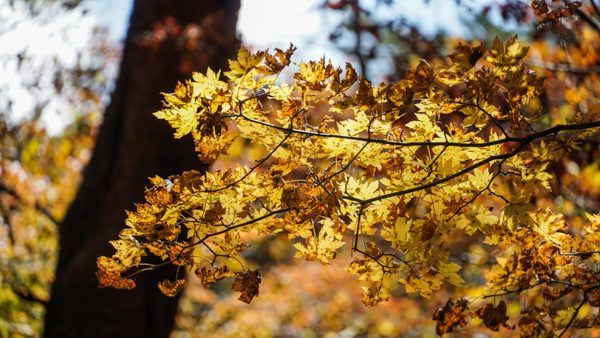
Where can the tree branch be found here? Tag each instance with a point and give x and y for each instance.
(523, 142)
(543, 133)
(588, 19)
(564, 68)
(28, 296)
(43, 210)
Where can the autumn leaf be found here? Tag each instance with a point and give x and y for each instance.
(450, 316)
(183, 119)
(350, 77)
(171, 289)
(244, 62)
(210, 274)
(280, 59)
(209, 85)
(539, 7)
(422, 175)
(247, 284)
(109, 274)
(493, 317)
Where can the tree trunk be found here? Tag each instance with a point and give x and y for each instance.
(166, 41)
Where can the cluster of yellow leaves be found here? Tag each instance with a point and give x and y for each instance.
(394, 170)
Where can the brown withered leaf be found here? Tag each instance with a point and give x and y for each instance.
(428, 231)
(476, 54)
(279, 60)
(531, 324)
(106, 279)
(493, 317)
(594, 298)
(211, 274)
(539, 7)
(171, 289)
(561, 12)
(468, 53)
(373, 249)
(422, 77)
(109, 274)
(214, 214)
(247, 284)
(400, 93)
(364, 94)
(180, 255)
(350, 77)
(555, 292)
(450, 316)
(291, 107)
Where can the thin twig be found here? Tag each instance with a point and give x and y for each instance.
(43, 210)
(574, 315)
(554, 130)
(523, 142)
(28, 296)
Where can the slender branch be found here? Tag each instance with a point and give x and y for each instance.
(43, 210)
(564, 67)
(588, 19)
(254, 167)
(554, 130)
(595, 7)
(264, 159)
(510, 292)
(385, 267)
(523, 142)
(151, 268)
(490, 116)
(347, 165)
(28, 296)
(583, 253)
(6, 220)
(243, 224)
(583, 301)
(356, 232)
(440, 181)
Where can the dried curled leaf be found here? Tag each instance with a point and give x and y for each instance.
(450, 316)
(493, 317)
(171, 289)
(109, 274)
(247, 284)
(209, 274)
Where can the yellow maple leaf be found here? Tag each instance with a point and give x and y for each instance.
(183, 119)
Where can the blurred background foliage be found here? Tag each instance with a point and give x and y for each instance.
(40, 166)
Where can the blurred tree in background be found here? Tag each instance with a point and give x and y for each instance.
(40, 172)
(165, 41)
(40, 169)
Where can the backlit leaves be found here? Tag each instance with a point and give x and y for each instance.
(183, 120)
(404, 175)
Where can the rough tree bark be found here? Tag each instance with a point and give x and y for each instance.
(165, 42)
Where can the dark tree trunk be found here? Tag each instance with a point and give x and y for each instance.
(167, 39)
